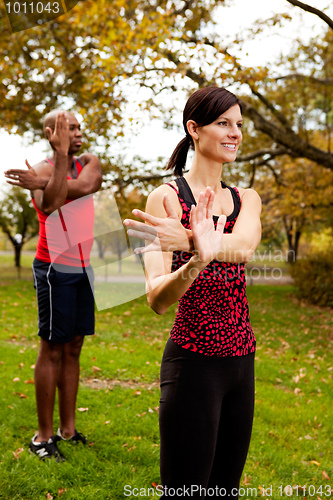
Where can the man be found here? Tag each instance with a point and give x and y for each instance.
(64, 295)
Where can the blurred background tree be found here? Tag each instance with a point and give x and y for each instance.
(18, 220)
(94, 58)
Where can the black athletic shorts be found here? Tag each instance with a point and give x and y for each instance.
(65, 300)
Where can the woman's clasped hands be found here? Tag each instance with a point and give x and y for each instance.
(206, 239)
(168, 234)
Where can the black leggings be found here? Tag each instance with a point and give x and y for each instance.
(206, 414)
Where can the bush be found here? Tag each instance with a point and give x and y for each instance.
(313, 278)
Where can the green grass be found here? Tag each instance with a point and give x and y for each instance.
(293, 426)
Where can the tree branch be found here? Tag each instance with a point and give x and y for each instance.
(201, 80)
(313, 10)
(288, 139)
(324, 81)
(262, 152)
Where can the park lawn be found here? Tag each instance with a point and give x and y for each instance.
(119, 397)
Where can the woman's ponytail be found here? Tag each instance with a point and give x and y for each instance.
(177, 160)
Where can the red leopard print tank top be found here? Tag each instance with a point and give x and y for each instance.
(213, 315)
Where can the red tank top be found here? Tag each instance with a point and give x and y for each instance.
(213, 315)
(66, 235)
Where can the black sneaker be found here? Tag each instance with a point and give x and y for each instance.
(46, 449)
(76, 438)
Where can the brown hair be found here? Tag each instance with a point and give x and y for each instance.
(203, 106)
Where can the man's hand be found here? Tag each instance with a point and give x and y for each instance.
(166, 234)
(206, 239)
(59, 137)
(26, 179)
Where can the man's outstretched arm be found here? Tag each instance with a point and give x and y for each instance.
(38, 177)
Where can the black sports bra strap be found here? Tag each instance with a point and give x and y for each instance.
(185, 191)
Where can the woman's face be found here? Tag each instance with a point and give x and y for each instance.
(220, 139)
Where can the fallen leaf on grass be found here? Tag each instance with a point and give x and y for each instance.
(314, 462)
(96, 369)
(131, 448)
(22, 396)
(154, 485)
(17, 453)
(82, 409)
(137, 393)
(61, 491)
(246, 480)
(325, 475)
(16, 379)
(30, 381)
(49, 496)
(108, 421)
(11, 407)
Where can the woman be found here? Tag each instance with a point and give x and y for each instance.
(207, 371)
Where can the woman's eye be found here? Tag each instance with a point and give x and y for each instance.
(223, 123)
(239, 125)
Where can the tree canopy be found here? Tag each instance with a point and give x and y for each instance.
(92, 58)
(98, 52)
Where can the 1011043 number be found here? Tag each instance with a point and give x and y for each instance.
(32, 7)
(310, 490)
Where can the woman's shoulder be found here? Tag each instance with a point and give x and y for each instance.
(169, 188)
(155, 198)
(249, 193)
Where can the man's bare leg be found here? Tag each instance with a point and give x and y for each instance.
(68, 383)
(46, 376)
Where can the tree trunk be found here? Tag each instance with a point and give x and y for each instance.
(100, 248)
(293, 236)
(119, 259)
(17, 258)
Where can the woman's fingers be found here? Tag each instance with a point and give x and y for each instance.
(170, 211)
(204, 209)
(148, 248)
(143, 235)
(140, 226)
(221, 223)
(210, 201)
(200, 208)
(193, 221)
(144, 216)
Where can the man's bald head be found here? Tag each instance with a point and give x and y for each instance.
(74, 129)
(50, 119)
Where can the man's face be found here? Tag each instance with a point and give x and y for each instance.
(75, 134)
